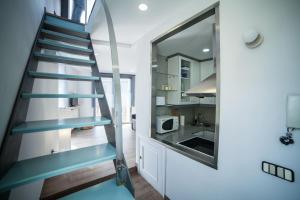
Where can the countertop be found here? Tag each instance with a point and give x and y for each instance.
(186, 132)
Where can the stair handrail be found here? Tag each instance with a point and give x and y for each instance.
(117, 87)
(123, 176)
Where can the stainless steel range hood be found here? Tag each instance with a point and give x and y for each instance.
(206, 88)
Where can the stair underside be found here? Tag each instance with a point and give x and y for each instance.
(63, 59)
(64, 37)
(63, 29)
(106, 190)
(56, 124)
(64, 22)
(30, 170)
(77, 96)
(44, 75)
(54, 45)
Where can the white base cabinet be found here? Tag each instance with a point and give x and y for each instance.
(152, 163)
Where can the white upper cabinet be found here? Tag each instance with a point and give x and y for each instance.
(184, 73)
(195, 78)
(207, 69)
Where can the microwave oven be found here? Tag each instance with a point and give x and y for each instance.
(166, 123)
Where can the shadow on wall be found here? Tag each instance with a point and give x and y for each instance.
(16, 39)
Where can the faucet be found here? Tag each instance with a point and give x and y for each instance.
(200, 119)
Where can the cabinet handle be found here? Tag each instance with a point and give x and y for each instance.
(141, 157)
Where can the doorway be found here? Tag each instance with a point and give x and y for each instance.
(126, 94)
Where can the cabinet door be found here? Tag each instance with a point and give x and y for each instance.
(151, 164)
(173, 97)
(195, 79)
(207, 69)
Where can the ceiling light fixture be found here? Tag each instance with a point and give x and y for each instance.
(206, 50)
(143, 7)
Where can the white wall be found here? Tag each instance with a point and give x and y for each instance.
(254, 86)
(37, 144)
(19, 22)
(127, 66)
(53, 6)
(126, 55)
(42, 143)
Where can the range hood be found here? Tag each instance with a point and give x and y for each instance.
(206, 88)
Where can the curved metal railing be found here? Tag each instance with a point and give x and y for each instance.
(123, 176)
(117, 86)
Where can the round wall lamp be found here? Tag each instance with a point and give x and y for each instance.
(252, 38)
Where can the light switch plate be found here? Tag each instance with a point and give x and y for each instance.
(266, 167)
(278, 171)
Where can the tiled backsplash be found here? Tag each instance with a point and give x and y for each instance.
(207, 113)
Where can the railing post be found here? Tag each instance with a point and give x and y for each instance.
(85, 12)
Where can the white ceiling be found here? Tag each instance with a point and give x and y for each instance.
(190, 41)
(130, 23)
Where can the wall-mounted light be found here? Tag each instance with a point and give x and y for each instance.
(252, 38)
(143, 7)
(206, 50)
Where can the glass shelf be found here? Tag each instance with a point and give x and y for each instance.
(185, 68)
(165, 90)
(188, 104)
(166, 74)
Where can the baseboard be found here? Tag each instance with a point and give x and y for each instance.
(166, 198)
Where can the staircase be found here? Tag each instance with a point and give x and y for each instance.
(63, 35)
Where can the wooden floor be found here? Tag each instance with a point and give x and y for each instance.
(65, 184)
(143, 190)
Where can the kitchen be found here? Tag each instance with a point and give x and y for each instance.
(184, 87)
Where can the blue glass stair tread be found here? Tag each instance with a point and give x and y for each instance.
(56, 124)
(64, 35)
(63, 26)
(62, 76)
(47, 95)
(60, 46)
(106, 190)
(26, 171)
(65, 23)
(63, 59)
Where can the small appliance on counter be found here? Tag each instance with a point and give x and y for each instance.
(182, 119)
(166, 123)
(160, 101)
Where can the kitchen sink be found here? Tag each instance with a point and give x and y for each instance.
(199, 144)
(209, 135)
